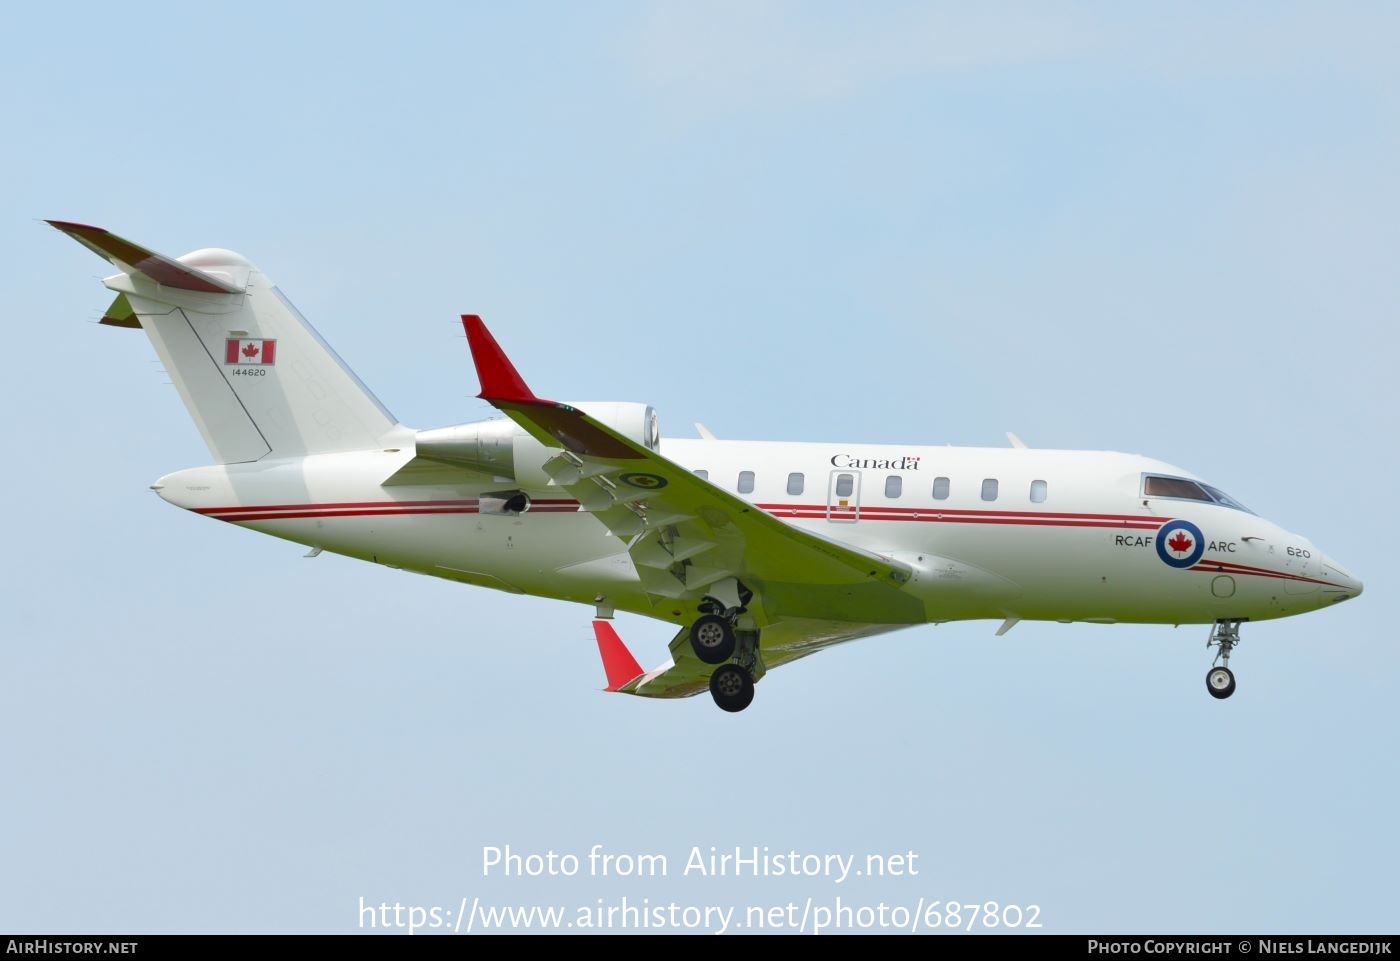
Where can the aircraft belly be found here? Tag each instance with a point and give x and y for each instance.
(559, 555)
(336, 503)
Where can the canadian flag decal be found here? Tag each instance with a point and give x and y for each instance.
(250, 351)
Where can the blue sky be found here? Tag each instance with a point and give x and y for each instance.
(1169, 232)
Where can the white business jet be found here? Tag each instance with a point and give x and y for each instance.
(760, 553)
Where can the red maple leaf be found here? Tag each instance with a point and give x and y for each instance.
(1180, 543)
(250, 350)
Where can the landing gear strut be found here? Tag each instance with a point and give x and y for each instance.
(1220, 680)
(712, 635)
(731, 685)
(722, 635)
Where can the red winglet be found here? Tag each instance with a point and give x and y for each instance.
(618, 662)
(499, 378)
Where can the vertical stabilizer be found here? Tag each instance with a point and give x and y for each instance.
(255, 376)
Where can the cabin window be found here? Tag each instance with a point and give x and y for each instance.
(796, 483)
(745, 482)
(989, 489)
(940, 488)
(844, 485)
(894, 486)
(1038, 491)
(702, 474)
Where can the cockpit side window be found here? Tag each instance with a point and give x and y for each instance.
(1154, 485)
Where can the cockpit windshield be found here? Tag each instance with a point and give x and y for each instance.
(1155, 485)
(1224, 499)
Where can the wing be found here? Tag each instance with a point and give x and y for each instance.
(684, 534)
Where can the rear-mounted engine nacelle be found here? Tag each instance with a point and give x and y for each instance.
(501, 449)
(634, 421)
(486, 446)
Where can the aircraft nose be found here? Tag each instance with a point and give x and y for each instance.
(1349, 581)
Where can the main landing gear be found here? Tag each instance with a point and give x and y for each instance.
(732, 687)
(712, 638)
(1220, 680)
(722, 636)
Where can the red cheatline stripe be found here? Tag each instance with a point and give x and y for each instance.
(1029, 514)
(1232, 567)
(1229, 567)
(265, 508)
(365, 512)
(267, 512)
(556, 505)
(936, 518)
(956, 514)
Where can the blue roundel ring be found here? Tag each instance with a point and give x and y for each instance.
(1179, 531)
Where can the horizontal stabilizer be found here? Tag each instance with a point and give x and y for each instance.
(131, 258)
(618, 662)
(120, 314)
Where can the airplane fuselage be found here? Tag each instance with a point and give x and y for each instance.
(987, 532)
(761, 553)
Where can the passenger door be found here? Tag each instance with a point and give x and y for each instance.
(843, 496)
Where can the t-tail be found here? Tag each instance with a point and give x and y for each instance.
(258, 380)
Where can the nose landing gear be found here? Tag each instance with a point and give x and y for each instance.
(1220, 680)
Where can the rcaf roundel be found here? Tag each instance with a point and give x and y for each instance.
(1180, 543)
(647, 482)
